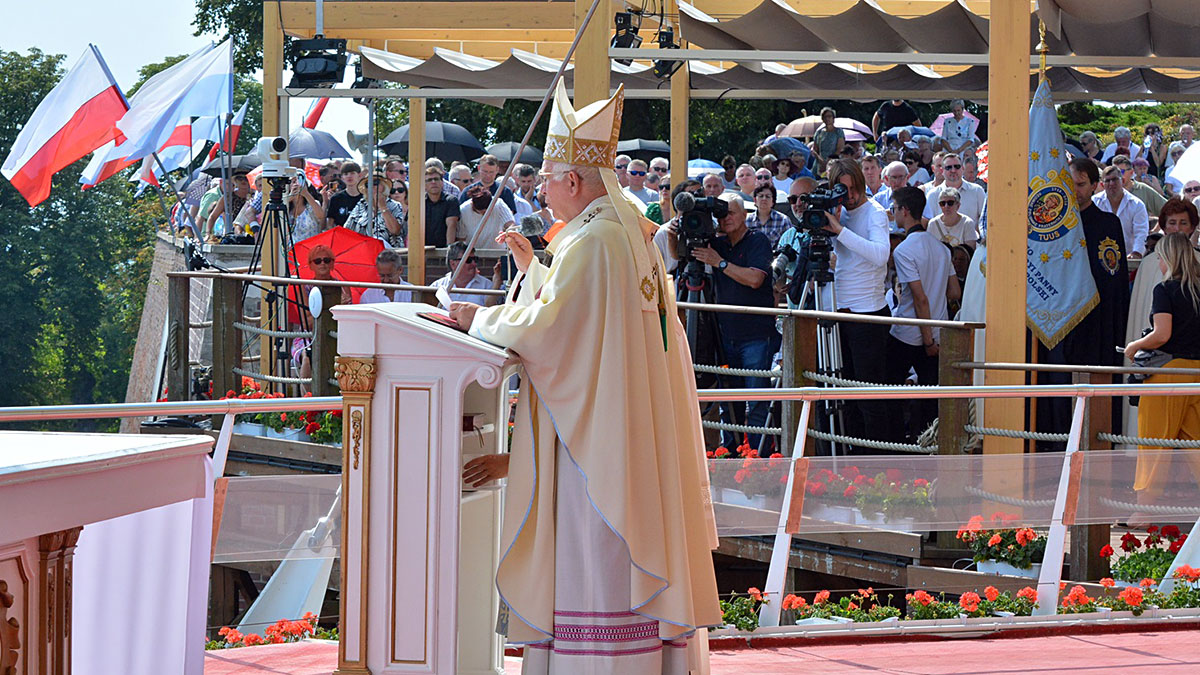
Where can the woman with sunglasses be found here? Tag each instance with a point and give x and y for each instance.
(399, 194)
(320, 263)
(782, 179)
(917, 175)
(951, 227)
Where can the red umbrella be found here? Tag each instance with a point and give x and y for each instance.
(353, 260)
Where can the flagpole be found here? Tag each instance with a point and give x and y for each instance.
(167, 178)
(1042, 48)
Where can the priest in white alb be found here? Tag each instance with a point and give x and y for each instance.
(606, 563)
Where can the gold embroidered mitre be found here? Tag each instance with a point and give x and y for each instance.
(587, 137)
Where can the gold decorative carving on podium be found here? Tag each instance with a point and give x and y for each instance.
(356, 432)
(355, 374)
(10, 633)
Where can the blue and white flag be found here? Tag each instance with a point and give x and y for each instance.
(1060, 290)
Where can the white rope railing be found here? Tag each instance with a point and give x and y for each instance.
(257, 330)
(274, 379)
(875, 445)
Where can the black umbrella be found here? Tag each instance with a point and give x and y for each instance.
(507, 150)
(646, 150)
(448, 142)
(236, 164)
(313, 144)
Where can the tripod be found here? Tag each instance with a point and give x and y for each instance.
(697, 288)
(817, 276)
(276, 220)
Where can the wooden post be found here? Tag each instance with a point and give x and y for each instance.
(1087, 540)
(799, 355)
(1008, 184)
(272, 74)
(416, 191)
(680, 101)
(227, 338)
(178, 314)
(592, 67)
(956, 344)
(324, 345)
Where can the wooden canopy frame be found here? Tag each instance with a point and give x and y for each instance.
(490, 28)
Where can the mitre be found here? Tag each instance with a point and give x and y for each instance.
(586, 137)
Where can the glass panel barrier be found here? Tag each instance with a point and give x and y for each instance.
(280, 517)
(1143, 486)
(901, 493)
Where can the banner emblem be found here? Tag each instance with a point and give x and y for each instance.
(1110, 255)
(1049, 215)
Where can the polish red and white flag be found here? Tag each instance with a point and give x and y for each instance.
(76, 117)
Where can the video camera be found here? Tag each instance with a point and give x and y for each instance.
(273, 152)
(697, 222)
(818, 203)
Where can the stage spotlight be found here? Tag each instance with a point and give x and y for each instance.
(626, 37)
(666, 40)
(318, 62)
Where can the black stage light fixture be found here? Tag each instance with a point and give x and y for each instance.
(626, 37)
(361, 82)
(666, 40)
(317, 62)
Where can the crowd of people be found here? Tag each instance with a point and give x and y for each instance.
(902, 242)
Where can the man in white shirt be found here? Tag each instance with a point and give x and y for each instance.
(1135, 222)
(972, 198)
(873, 173)
(746, 182)
(926, 278)
(862, 246)
(1187, 136)
(468, 277)
(389, 265)
(895, 176)
(1123, 146)
(471, 217)
(713, 185)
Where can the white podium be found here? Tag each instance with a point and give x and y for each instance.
(419, 553)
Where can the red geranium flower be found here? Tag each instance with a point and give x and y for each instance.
(1175, 546)
(1108, 582)
(969, 601)
(991, 593)
(994, 540)
(1029, 593)
(849, 491)
(1106, 551)
(1132, 596)
(920, 482)
(821, 598)
(755, 593)
(1170, 531)
(1129, 542)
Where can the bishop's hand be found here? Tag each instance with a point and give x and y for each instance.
(485, 469)
(519, 246)
(463, 313)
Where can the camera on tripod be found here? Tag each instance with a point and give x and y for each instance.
(697, 222)
(818, 203)
(273, 152)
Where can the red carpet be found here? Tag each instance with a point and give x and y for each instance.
(1169, 652)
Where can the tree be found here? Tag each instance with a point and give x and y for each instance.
(241, 20)
(72, 270)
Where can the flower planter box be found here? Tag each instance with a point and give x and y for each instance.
(249, 429)
(997, 567)
(881, 522)
(833, 513)
(736, 497)
(818, 621)
(288, 434)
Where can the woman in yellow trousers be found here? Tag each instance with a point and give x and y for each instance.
(1175, 316)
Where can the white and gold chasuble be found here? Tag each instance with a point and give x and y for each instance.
(590, 330)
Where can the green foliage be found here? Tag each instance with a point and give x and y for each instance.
(72, 270)
(740, 611)
(240, 19)
(1077, 117)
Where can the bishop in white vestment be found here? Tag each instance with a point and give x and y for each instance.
(606, 562)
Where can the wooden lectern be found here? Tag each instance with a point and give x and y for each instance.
(419, 553)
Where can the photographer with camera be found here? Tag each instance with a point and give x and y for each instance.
(740, 259)
(926, 278)
(861, 245)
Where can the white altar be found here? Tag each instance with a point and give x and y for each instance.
(419, 553)
(104, 538)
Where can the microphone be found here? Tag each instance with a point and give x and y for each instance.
(530, 226)
(684, 202)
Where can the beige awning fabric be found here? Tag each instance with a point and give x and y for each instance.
(1101, 28)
